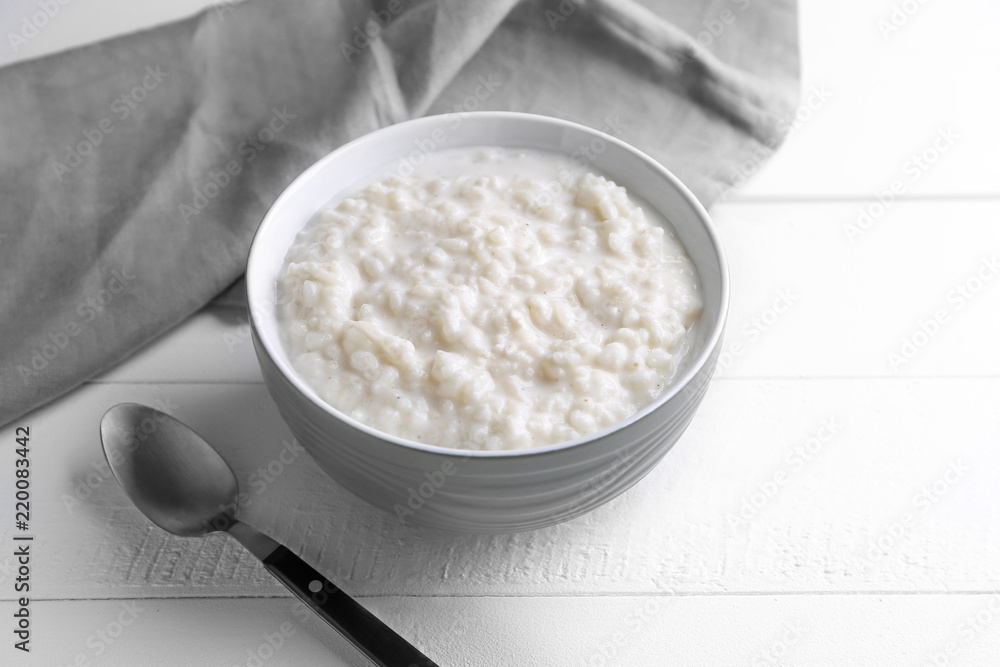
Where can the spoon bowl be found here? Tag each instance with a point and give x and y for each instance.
(169, 472)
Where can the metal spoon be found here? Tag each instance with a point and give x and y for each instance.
(183, 486)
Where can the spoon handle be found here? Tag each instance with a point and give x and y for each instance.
(371, 636)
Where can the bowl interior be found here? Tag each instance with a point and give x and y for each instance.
(409, 143)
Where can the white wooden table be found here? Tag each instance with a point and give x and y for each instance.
(831, 504)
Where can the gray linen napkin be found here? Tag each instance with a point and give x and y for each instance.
(134, 171)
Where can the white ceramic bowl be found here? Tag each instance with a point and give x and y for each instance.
(484, 492)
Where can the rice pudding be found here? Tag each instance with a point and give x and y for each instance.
(490, 299)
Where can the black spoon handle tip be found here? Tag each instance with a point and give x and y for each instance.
(370, 635)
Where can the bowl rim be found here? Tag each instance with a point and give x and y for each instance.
(678, 385)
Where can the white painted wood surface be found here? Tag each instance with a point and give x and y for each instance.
(637, 631)
(830, 504)
(853, 457)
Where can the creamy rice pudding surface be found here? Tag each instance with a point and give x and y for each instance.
(489, 299)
